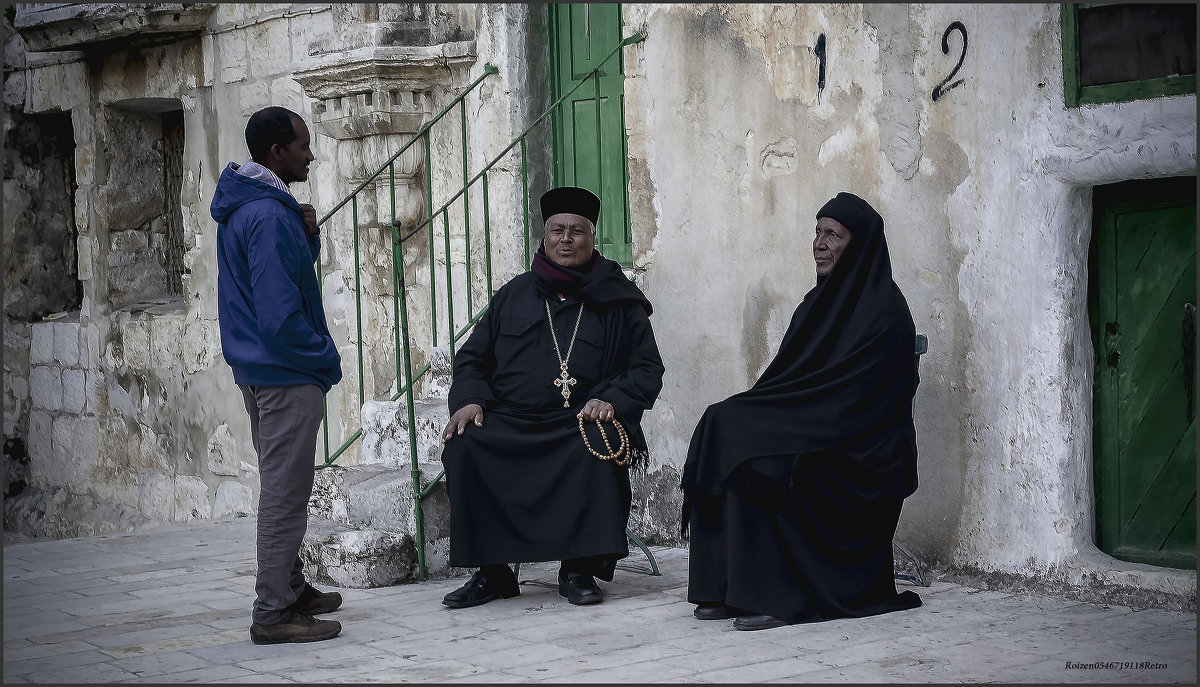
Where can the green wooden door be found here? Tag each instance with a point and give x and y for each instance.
(1144, 327)
(589, 127)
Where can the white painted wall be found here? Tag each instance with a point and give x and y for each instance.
(986, 199)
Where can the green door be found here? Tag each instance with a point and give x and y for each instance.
(589, 127)
(1144, 306)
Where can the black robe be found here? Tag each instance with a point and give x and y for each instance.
(523, 487)
(793, 488)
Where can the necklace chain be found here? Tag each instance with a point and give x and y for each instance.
(564, 379)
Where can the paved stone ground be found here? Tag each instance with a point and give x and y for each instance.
(172, 605)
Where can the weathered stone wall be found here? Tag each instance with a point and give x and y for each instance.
(133, 415)
(124, 406)
(734, 144)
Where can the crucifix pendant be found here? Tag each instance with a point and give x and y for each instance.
(565, 380)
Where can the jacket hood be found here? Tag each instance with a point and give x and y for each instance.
(235, 190)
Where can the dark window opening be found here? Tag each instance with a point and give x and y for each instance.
(143, 151)
(1127, 51)
(1134, 42)
(40, 263)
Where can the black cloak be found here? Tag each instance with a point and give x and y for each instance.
(825, 438)
(523, 487)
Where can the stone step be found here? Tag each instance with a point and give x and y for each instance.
(386, 441)
(358, 558)
(363, 528)
(378, 502)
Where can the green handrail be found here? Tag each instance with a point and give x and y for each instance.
(423, 135)
(406, 378)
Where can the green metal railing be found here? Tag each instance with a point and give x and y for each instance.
(454, 325)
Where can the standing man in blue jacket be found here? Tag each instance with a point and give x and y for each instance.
(274, 336)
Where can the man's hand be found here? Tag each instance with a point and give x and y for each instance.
(310, 218)
(472, 412)
(598, 411)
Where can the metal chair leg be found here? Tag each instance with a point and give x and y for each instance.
(653, 569)
(921, 577)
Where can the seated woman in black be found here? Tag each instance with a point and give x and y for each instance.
(793, 488)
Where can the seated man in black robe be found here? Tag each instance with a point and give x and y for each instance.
(546, 405)
(793, 488)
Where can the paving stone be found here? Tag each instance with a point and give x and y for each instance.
(37, 630)
(198, 639)
(256, 678)
(159, 664)
(207, 674)
(35, 650)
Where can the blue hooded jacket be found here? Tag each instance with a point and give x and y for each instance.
(273, 329)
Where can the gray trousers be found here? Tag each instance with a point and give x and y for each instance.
(283, 423)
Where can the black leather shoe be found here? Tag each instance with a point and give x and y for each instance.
(718, 612)
(481, 589)
(579, 588)
(314, 601)
(758, 622)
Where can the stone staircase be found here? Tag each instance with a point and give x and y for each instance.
(362, 528)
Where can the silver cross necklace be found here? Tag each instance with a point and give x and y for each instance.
(564, 379)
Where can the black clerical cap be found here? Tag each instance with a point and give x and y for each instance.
(854, 212)
(578, 201)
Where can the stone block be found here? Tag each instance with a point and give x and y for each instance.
(61, 87)
(201, 345)
(45, 387)
(90, 353)
(339, 555)
(74, 390)
(41, 345)
(191, 499)
(286, 90)
(383, 501)
(119, 449)
(166, 345)
(255, 96)
(233, 498)
(66, 343)
(156, 495)
(156, 451)
(207, 47)
(272, 48)
(38, 445)
(74, 452)
(330, 499)
(232, 56)
(123, 399)
(96, 393)
(385, 432)
(135, 343)
(223, 457)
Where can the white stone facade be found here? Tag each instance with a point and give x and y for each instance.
(732, 148)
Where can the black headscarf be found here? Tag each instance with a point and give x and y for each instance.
(841, 383)
(599, 281)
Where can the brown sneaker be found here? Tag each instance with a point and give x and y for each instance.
(298, 626)
(315, 601)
